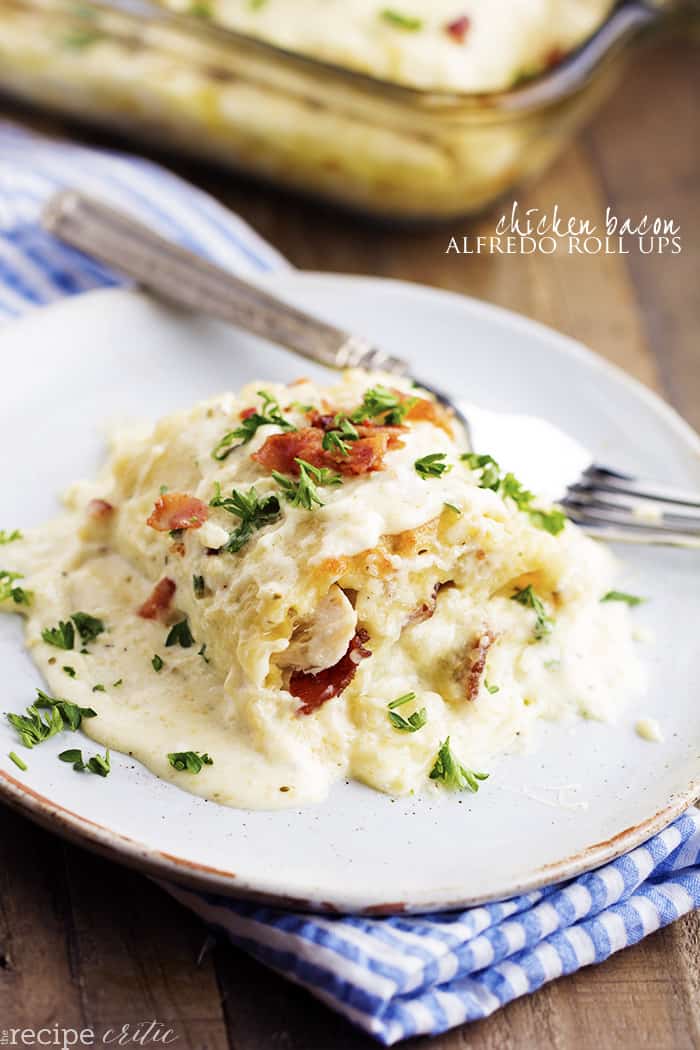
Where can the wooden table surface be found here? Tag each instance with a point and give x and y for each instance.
(84, 942)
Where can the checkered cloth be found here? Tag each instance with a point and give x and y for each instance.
(393, 977)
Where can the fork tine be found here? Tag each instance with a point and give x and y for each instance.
(654, 512)
(629, 534)
(600, 511)
(614, 481)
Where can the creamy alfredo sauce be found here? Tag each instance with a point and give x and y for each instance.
(229, 699)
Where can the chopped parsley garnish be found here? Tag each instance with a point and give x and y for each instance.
(189, 761)
(180, 634)
(203, 653)
(254, 511)
(62, 636)
(491, 688)
(199, 586)
(451, 506)
(450, 771)
(490, 470)
(395, 18)
(299, 406)
(18, 761)
(70, 671)
(157, 664)
(98, 764)
(89, 627)
(411, 724)
(98, 688)
(71, 714)
(9, 590)
(303, 492)
(119, 681)
(513, 489)
(432, 466)
(270, 413)
(552, 521)
(338, 439)
(528, 598)
(33, 728)
(380, 401)
(401, 700)
(622, 596)
(9, 537)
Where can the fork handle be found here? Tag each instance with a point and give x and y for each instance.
(185, 279)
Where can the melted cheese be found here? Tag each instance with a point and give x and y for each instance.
(503, 39)
(384, 553)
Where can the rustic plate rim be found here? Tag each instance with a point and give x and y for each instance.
(155, 863)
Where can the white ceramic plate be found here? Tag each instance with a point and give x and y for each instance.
(72, 369)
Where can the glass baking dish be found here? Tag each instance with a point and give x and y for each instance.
(377, 147)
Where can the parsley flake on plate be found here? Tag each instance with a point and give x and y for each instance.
(527, 597)
(9, 591)
(180, 634)
(379, 401)
(88, 627)
(270, 413)
(33, 728)
(411, 724)
(62, 636)
(622, 596)
(98, 764)
(401, 21)
(303, 492)
(156, 663)
(508, 486)
(432, 466)
(449, 771)
(9, 537)
(189, 761)
(338, 439)
(255, 512)
(71, 714)
(18, 761)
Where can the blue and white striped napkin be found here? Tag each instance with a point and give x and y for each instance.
(393, 977)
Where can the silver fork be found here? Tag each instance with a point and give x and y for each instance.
(605, 502)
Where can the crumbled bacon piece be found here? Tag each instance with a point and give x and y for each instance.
(459, 28)
(99, 509)
(476, 662)
(430, 412)
(177, 510)
(425, 609)
(158, 600)
(315, 689)
(364, 455)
